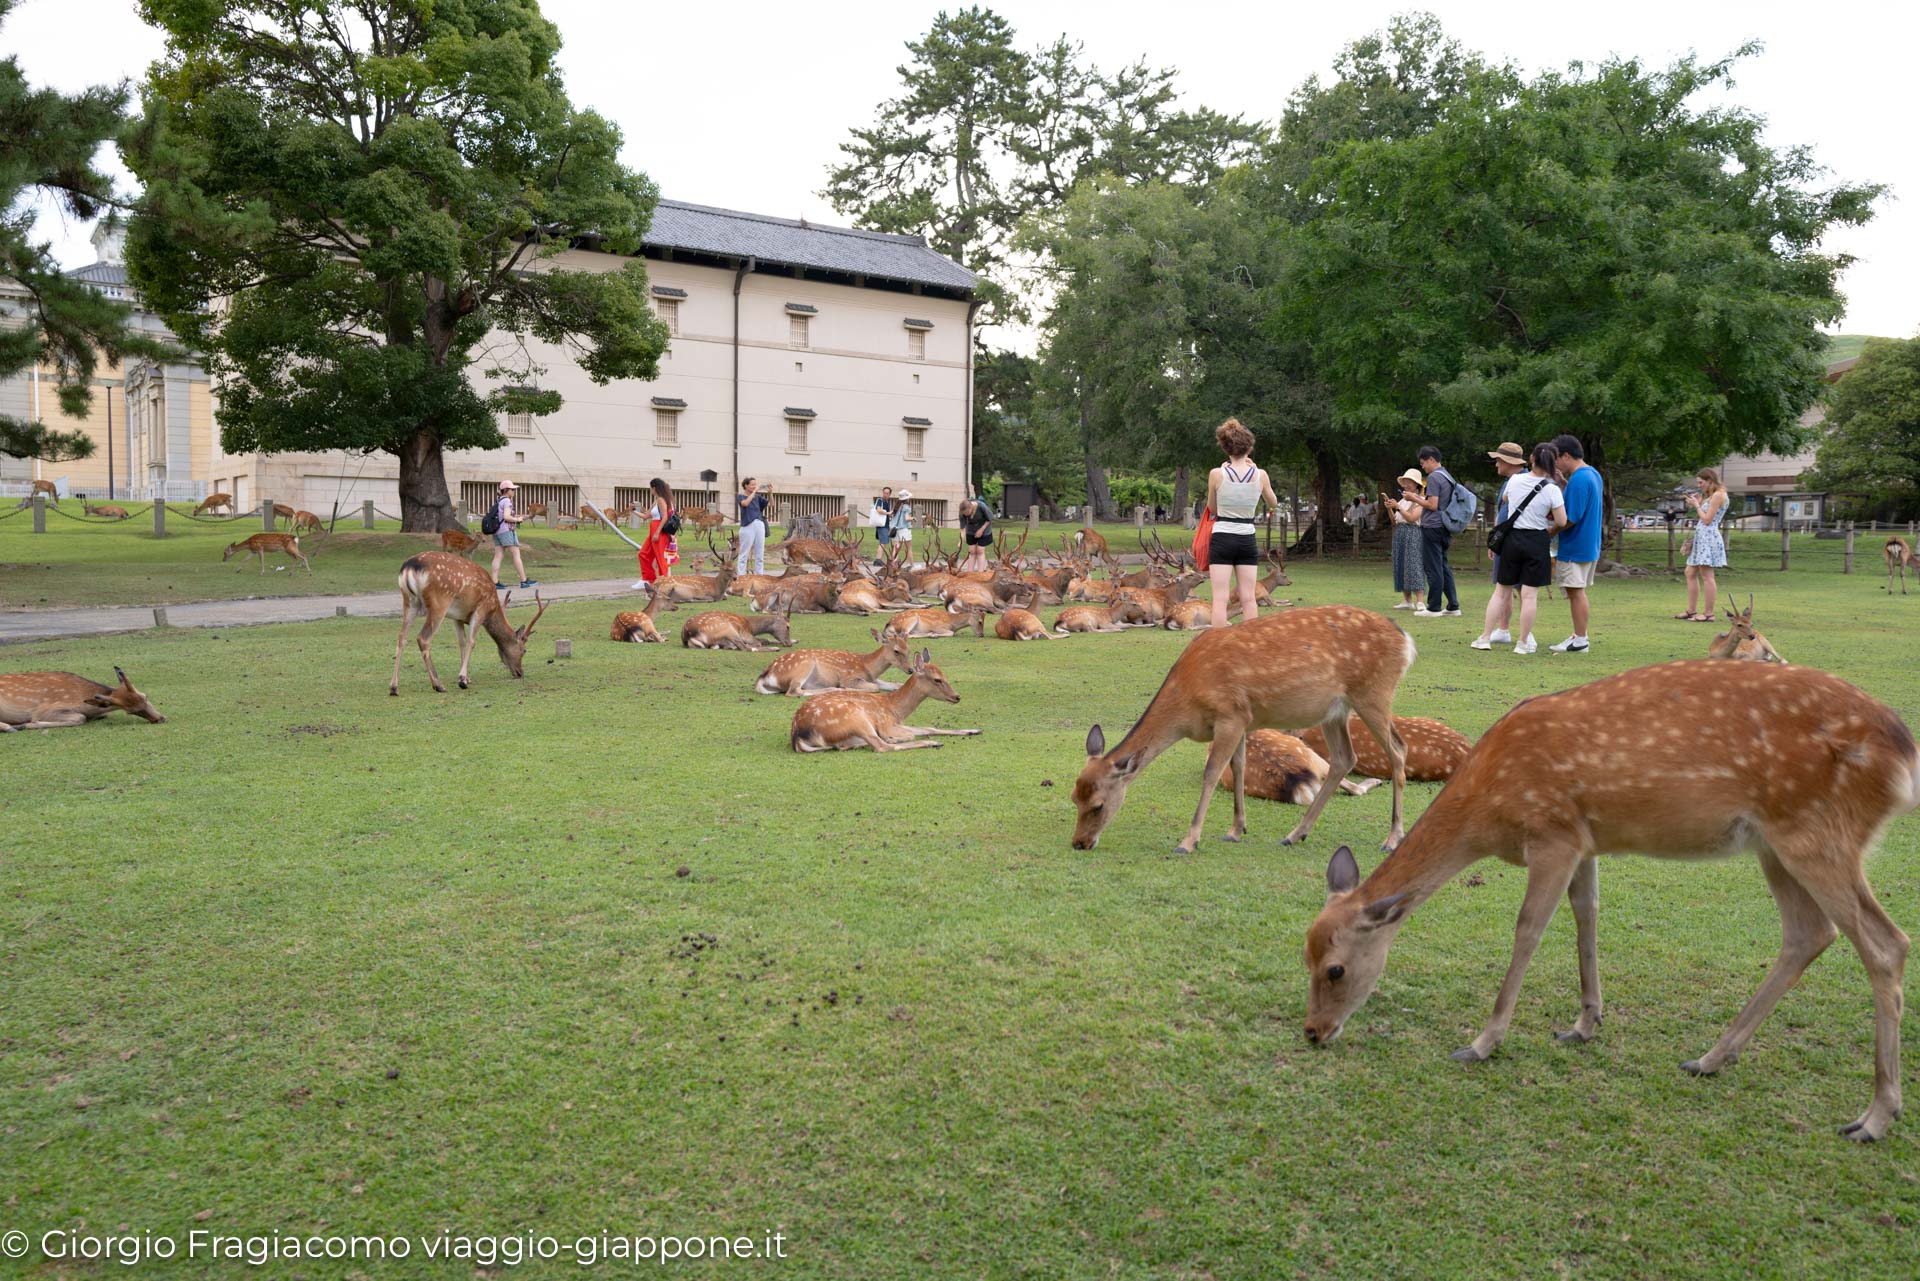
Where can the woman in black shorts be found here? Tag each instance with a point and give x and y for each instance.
(1234, 491)
(1536, 508)
(976, 524)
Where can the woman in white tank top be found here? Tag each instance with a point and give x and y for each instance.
(1234, 491)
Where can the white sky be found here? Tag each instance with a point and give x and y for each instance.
(745, 104)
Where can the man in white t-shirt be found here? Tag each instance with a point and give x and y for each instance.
(1535, 510)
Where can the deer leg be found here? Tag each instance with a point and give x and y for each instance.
(1239, 767)
(921, 731)
(468, 632)
(1340, 763)
(1358, 786)
(399, 646)
(1583, 895)
(55, 718)
(425, 641)
(881, 743)
(1220, 754)
(1550, 871)
(1805, 932)
(1379, 722)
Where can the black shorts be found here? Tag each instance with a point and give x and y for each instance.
(1525, 559)
(982, 539)
(1233, 549)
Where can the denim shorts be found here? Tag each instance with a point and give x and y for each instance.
(506, 537)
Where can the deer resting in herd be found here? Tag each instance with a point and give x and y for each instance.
(58, 700)
(840, 719)
(719, 629)
(1789, 764)
(1282, 768)
(264, 545)
(810, 671)
(1099, 618)
(638, 626)
(458, 540)
(1020, 623)
(441, 586)
(934, 622)
(1434, 750)
(1308, 667)
(1740, 640)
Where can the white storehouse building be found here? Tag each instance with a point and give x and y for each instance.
(827, 361)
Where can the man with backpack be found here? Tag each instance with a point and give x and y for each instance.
(500, 523)
(1450, 507)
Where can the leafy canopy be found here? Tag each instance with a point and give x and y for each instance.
(1871, 450)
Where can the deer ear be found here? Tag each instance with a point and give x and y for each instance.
(1343, 873)
(1385, 911)
(125, 683)
(1127, 766)
(1096, 742)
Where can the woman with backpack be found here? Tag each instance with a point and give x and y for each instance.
(503, 524)
(1235, 490)
(660, 552)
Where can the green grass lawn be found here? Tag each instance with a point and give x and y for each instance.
(310, 958)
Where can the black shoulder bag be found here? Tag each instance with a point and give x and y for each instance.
(1497, 536)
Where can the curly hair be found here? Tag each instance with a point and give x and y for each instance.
(1235, 441)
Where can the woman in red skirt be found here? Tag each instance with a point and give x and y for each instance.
(661, 551)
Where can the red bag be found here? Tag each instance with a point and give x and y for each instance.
(1203, 539)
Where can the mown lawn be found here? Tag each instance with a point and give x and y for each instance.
(309, 958)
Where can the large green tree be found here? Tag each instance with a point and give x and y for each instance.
(1589, 252)
(346, 201)
(1869, 455)
(48, 142)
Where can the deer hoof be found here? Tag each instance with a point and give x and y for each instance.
(463, 682)
(1573, 1036)
(393, 691)
(1467, 1054)
(1693, 1067)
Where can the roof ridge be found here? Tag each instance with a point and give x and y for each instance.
(803, 224)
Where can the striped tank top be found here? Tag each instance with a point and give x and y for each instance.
(1236, 499)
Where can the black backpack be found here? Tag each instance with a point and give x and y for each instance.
(490, 523)
(671, 525)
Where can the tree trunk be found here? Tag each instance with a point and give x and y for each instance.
(1182, 486)
(425, 505)
(1326, 483)
(1099, 496)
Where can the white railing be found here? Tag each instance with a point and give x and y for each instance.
(172, 491)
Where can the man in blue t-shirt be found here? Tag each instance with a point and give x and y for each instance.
(1580, 540)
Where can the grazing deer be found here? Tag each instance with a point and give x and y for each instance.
(930, 623)
(1740, 640)
(590, 513)
(1090, 542)
(1900, 558)
(1020, 623)
(305, 522)
(706, 521)
(535, 509)
(57, 700)
(809, 671)
(212, 501)
(840, 719)
(458, 540)
(1282, 768)
(638, 625)
(718, 629)
(442, 586)
(283, 512)
(1099, 618)
(262, 545)
(1434, 750)
(1310, 667)
(109, 513)
(1791, 764)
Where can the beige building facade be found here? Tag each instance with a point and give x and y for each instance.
(1766, 488)
(826, 361)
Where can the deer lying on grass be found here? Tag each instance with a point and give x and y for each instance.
(305, 523)
(1309, 667)
(638, 626)
(1020, 623)
(263, 545)
(1099, 618)
(718, 629)
(1740, 640)
(864, 596)
(840, 720)
(1900, 558)
(809, 671)
(1159, 602)
(108, 513)
(917, 623)
(803, 594)
(1264, 588)
(1282, 768)
(683, 588)
(58, 700)
(458, 540)
(441, 586)
(1791, 764)
(1189, 616)
(819, 552)
(212, 501)
(1435, 750)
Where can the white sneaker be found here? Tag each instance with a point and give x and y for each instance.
(1480, 642)
(1405, 604)
(1572, 645)
(1501, 637)
(1449, 613)
(1527, 646)
(639, 586)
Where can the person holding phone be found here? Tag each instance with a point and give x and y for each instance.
(1536, 510)
(752, 504)
(1409, 574)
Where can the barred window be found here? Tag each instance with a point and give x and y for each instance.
(916, 443)
(668, 309)
(797, 332)
(796, 435)
(666, 427)
(916, 344)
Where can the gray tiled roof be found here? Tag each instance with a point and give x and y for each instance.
(791, 412)
(728, 232)
(911, 323)
(917, 422)
(668, 291)
(803, 309)
(669, 402)
(101, 273)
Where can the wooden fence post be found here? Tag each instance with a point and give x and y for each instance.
(39, 513)
(366, 514)
(1785, 535)
(1847, 566)
(159, 519)
(1356, 540)
(1671, 526)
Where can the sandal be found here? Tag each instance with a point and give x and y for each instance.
(1704, 618)
(1688, 617)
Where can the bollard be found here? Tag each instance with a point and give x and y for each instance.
(1033, 519)
(1671, 525)
(339, 611)
(159, 616)
(366, 514)
(39, 513)
(1785, 534)
(786, 518)
(1139, 517)
(1847, 566)
(1356, 540)
(563, 649)
(266, 514)
(159, 519)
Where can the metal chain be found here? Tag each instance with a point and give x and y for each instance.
(93, 520)
(208, 520)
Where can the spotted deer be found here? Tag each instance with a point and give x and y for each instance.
(1740, 640)
(59, 700)
(1310, 667)
(684, 588)
(108, 513)
(283, 512)
(809, 671)
(1434, 750)
(1159, 602)
(212, 501)
(802, 594)
(637, 625)
(1282, 768)
(1099, 618)
(1090, 542)
(1900, 559)
(841, 720)
(1790, 764)
(458, 540)
(264, 545)
(864, 596)
(1020, 623)
(1189, 616)
(719, 629)
(1264, 588)
(441, 585)
(931, 623)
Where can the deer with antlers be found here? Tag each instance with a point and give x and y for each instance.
(930, 623)
(264, 545)
(719, 629)
(1264, 588)
(1900, 559)
(1099, 618)
(803, 594)
(1309, 667)
(1790, 764)
(809, 671)
(1434, 749)
(212, 501)
(841, 720)
(60, 700)
(684, 588)
(1740, 640)
(637, 625)
(1159, 602)
(105, 513)
(441, 585)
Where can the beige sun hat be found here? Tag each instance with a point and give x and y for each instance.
(1509, 453)
(1415, 475)
(905, 495)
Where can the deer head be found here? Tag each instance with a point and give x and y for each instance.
(231, 549)
(1279, 572)
(780, 627)
(513, 647)
(1100, 790)
(128, 699)
(1177, 590)
(1740, 641)
(1347, 948)
(931, 680)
